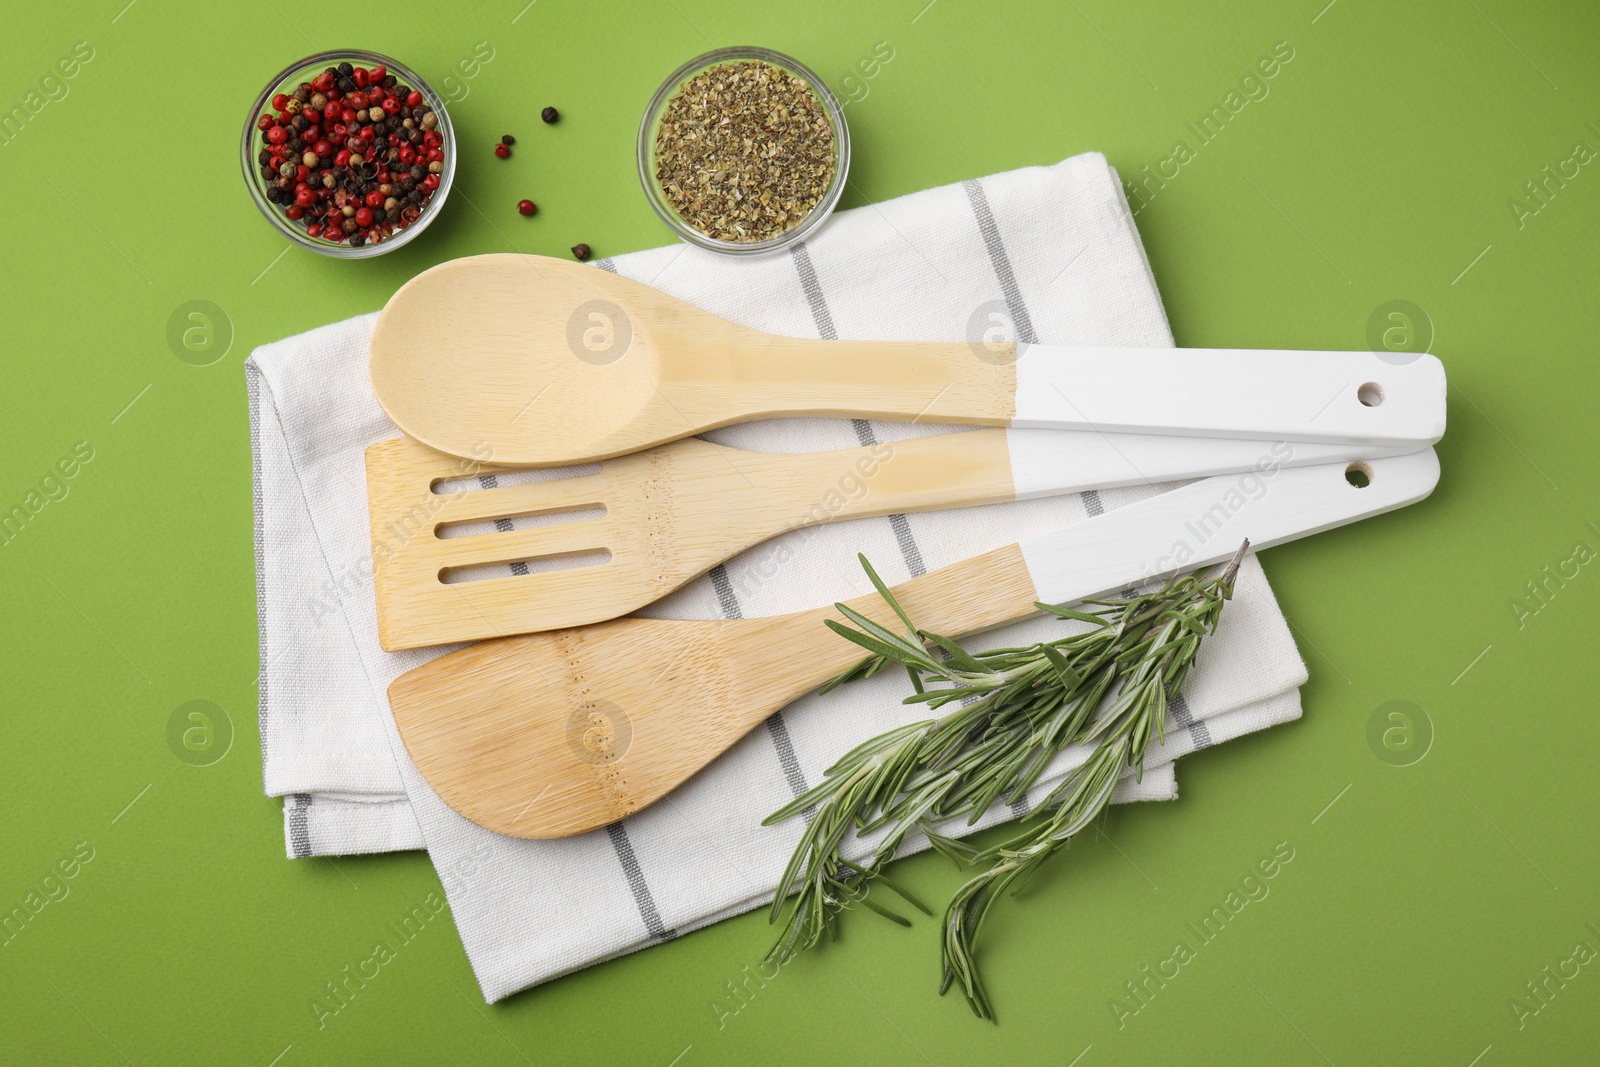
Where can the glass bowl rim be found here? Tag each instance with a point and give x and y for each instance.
(282, 223)
(646, 149)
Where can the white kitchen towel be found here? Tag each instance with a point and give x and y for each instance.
(1049, 251)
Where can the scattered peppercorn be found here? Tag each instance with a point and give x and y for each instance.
(549, 114)
(507, 139)
(528, 207)
(340, 149)
(580, 251)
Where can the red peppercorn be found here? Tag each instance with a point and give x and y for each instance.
(364, 216)
(264, 122)
(294, 211)
(277, 135)
(322, 149)
(431, 182)
(314, 230)
(305, 197)
(358, 100)
(377, 74)
(527, 207)
(302, 172)
(374, 199)
(503, 151)
(280, 102)
(413, 98)
(313, 115)
(359, 76)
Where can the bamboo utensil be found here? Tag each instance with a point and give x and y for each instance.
(609, 542)
(539, 362)
(553, 734)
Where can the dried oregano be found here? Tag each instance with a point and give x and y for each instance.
(744, 151)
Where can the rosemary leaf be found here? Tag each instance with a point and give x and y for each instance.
(1015, 710)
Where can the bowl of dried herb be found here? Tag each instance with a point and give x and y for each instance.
(744, 151)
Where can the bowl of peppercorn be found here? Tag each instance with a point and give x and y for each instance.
(743, 151)
(349, 153)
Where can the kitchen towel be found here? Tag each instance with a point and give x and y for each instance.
(1045, 253)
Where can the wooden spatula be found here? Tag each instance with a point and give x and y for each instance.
(553, 734)
(541, 362)
(555, 553)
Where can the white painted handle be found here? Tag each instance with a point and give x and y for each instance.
(1051, 462)
(1204, 523)
(1334, 397)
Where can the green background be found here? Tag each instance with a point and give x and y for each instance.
(1379, 168)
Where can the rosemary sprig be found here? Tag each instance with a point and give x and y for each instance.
(1014, 710)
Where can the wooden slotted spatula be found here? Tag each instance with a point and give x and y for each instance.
(564, 552)
(540, 362)
(553, 734)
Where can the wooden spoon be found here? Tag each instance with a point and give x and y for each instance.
(557, 733)
(563, 552)
(539, 362)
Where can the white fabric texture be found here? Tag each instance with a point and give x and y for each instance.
(1051, 250)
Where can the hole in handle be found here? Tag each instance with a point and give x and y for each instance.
(1370, 394)
(1358, 474)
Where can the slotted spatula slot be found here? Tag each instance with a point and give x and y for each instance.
(527, 565)
(503, 478)
(525, 520)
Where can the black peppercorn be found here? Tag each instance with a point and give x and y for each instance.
(507, 139)
(418, 171)
(303, 93)
(550, 114)
(347, 69)
(356, 240)
(264, 158)
(580, 251)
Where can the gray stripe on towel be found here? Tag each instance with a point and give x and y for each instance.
(299, 833)
(641, 892)
(777, 729)
(823, 318)
(1184, 719)
(813, 290)
(1001, 262)
(490, 481)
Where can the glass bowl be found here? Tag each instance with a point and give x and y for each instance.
(647, 152)
(305, 70)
